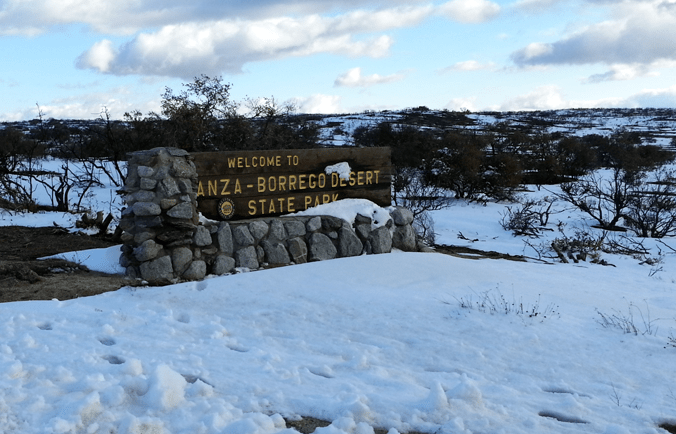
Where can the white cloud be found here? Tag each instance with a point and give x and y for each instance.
(536, 6)
(324, 104)
(185, 50)
(470, 11)
(542, 98)
(354, 78)
(622, 72)
(461, 104)
(641, 32)
(30, 17)
(469, 65)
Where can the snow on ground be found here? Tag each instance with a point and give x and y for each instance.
(403, 341)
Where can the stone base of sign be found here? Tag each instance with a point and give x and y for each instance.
(165, 242)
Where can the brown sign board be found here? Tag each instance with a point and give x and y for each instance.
(248, 184)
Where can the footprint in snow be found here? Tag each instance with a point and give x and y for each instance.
(113, 360)
(565, 391)
(45, 326)
(561, 417)
(107, 341)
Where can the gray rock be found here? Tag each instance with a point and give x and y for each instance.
(168, 203)
(314, 224)
(402, 216)
(185, 185)
(258, 229)
(169, 187)
(148, 183)
(145, 171)
(321, 247)
(124, 261)
(247, 257)
(348, 243)
(147, 250)
(242, 236)
(177, 152)
(277, 233)
(132, 272)
(294, 228)
(202, 236)
(260, 253)
(143, 209)
(330, 223)
(158, 270)
(182, 211)
(404, 238)
(223, 264)
(148, 222)
(126, 237)
(182, 169)
(225, 238)
(381, 240)
(275, 253)
(144, 235)
(181, 259)
(196, 271)
(298, 250)
(363, 231)
(141, 196)
(362, 219)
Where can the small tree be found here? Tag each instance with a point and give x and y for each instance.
(652, 210)
(603, 199)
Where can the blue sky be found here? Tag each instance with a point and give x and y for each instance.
(75, 57)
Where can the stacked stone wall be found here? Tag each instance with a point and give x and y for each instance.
(164, 241)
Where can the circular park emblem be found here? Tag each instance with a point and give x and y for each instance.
(226, 208)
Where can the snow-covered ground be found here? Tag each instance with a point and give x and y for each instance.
(402, 341)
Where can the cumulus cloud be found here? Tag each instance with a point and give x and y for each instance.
(640, 33)
(542, 98)
(319, 103)
(470, 11)
(186, 49)
(354, 78)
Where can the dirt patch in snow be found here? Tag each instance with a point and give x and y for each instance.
(23, 277)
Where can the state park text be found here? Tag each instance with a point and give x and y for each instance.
(262, 183)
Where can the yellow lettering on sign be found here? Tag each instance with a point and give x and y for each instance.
(278, 160)
(322, 180)
(292, 182)
(200, 189)
(289, 205)
(224, 191)
(301, 182)
(360, 178)
(261, 184)
(334, 179)
(334, 197)
(352, 179)
(272, 184)
(326, 198)
(238, 188)
(312, 183)
(239, 161)
(317, 203)
(369, 177)
(213, 188)
(252, 207)
(308, 202)
(232, 163)
(282, 183)
(271, 161)
(272, 207)
(376, 172)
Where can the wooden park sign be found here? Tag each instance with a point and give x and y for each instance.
(247, 184)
